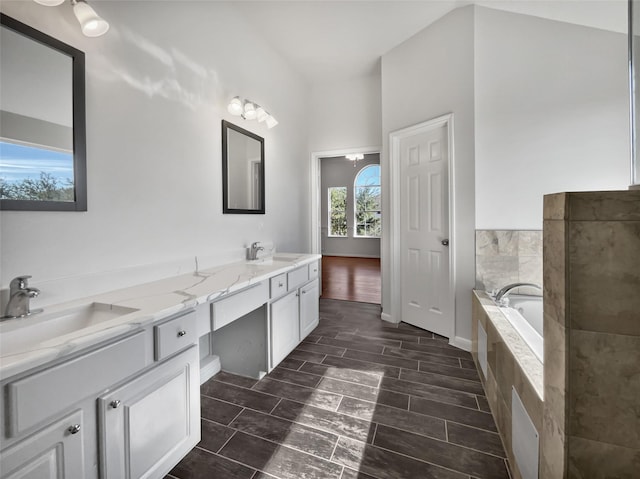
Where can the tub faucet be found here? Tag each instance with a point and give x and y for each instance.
(253, 251)
(508, 288)
(19, 296)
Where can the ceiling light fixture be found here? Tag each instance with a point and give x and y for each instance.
(354, 157)
(250, 110)
(91, 24)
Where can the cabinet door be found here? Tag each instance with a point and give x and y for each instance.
(309, 308)
(284, 327)
(54, 452)
(150, 423)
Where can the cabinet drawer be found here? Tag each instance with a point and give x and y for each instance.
(175, 335)
(297, 277)
(229, 309)
(42, 395)
(278, 285)
(313, 270)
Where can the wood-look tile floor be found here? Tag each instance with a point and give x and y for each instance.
(358, 398)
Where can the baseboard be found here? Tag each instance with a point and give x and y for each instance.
(351, 255)
(209, 367)
(462, 343)
(387, 317)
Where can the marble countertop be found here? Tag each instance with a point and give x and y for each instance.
(149, 302)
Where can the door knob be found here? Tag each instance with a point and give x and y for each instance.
(445, 242)
(75, 429)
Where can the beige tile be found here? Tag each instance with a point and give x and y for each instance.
(493, 340)
(503, 421)
(604, 206)
(491, 390)
(508, 242)
(553, 450)
(530, 271)
(530, 243)
(596, 460)
(486, 243)
(554, 207)
(494, 272)
(605, 276)
(604, 385)
(505, 374)
(554, 271)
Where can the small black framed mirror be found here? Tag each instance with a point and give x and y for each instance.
(42, 121)
(242, 171)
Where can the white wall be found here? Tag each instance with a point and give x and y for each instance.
(427, 76)
(551, 112)
(345, 114)
(157, 88)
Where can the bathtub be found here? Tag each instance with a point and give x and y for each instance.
(525, 315)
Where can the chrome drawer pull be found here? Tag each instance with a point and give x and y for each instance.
(181, 333)
(75, 429)
(114, 404)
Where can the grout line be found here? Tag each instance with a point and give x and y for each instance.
(478, 403)
(375, 431)
(460, 361)
(335, 446)
(274, 407)
(226, 442)
(446, 430)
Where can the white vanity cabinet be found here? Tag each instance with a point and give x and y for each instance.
(309, 308)
(55, 452)
(126, 408)
(147, 425)
(295, 315)
(285, 327)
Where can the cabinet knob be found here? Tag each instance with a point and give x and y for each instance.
(304, 292)
(114, 404)
(181, 333)
(280, 285)
(75, 429)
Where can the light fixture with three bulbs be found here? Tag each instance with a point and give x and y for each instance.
(91, 24)
(250, 111)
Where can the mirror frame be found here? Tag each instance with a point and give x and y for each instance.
(79, 123)
(226, 126)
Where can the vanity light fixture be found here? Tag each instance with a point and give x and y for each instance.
(91, 24)
(355, 157)
(250, 110)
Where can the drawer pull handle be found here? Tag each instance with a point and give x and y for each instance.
(114, 404)
(181, 333)
(280, 285)
(75, 429)
(304, 292)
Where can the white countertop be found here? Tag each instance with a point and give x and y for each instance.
(153, 301)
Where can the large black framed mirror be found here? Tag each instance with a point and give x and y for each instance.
(42, 121)
(242, 171)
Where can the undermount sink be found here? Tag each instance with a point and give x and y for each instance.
(22, 334)
(277, 258)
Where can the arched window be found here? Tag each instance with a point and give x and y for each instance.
(367, 201)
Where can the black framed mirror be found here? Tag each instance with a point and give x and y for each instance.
(42, 121)
(242, 171)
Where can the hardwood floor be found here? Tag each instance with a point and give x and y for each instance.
(351, 279)
(359, 398)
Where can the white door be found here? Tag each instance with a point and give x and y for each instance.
(424, 230)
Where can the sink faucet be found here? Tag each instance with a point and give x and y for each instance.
(508, 288)
(19, 296)
(253, 251)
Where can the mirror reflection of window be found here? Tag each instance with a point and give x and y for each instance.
(36, 121)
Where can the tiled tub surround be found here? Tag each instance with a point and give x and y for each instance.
(510, 364)
(359, 398)
(508, 256)
(592, 335)
(153, 301)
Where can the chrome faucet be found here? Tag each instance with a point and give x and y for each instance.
(253, 251)
(19, 296)
(500, 295)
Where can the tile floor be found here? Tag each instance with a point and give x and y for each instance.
(358, 398)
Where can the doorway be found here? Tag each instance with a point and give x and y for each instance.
(346, 223)
(422, 261)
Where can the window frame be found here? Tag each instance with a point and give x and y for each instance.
(356, 188)
(330, 210)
